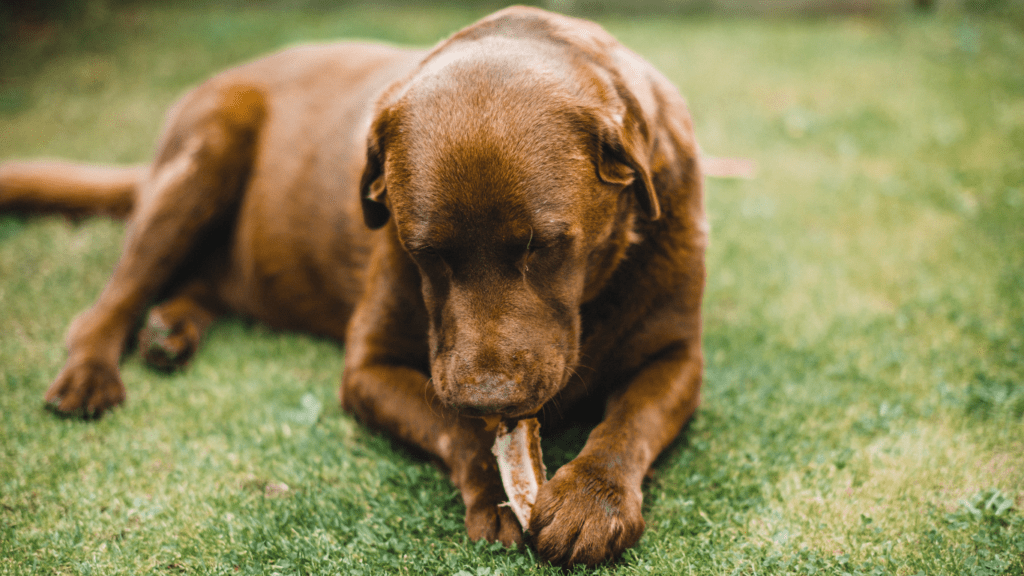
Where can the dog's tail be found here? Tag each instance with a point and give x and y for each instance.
(75, 189)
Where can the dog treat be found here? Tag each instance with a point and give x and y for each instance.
(521, 466)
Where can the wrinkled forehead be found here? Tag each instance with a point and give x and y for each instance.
(482, 191)
(469, 151)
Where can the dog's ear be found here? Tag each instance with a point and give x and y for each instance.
(372, 188)
(624, 158)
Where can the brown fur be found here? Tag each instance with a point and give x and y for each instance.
(511, 223)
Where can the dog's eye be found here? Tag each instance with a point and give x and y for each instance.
(534, 244)
(421, 250)
(533, 255)
(425, 251)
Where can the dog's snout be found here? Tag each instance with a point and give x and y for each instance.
(489, 393)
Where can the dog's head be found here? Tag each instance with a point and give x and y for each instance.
(513, 171)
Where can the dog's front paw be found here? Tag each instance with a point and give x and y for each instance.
(476, 475)
(493, 523)
(584, 515)
(86, 389)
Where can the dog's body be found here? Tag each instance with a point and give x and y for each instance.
(509, 224)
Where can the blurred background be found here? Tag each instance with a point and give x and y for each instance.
(26, 12)
(35, 10)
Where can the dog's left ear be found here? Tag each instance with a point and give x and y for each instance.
(624, 158)
(372, 188)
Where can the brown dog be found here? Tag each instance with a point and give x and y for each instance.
(534, 238)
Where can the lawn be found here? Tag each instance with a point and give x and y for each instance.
(864, 322)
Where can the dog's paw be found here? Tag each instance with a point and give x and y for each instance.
(85, 389)
(583, 515)
(168, 344)
(493, 523)
(477, 477)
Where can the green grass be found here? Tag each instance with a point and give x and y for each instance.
(864, 323)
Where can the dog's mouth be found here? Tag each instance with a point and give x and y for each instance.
(491, 409)
(512, 403)
(492, 416)
(493, 395)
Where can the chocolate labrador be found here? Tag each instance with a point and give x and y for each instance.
(509, 224)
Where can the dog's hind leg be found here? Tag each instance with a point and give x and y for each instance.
(197, 180)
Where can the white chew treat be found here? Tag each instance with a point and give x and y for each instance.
(521, 466)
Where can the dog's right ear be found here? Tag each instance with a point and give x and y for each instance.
(372, 188)
(622, 158)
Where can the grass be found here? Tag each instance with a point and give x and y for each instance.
(864, 323)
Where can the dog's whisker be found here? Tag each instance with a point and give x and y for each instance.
(427, 396)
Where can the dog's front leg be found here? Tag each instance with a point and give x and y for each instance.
(386, 385)
(590, 511)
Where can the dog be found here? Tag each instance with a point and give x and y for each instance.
(509, 224)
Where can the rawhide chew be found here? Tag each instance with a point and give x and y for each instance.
(520, 465)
